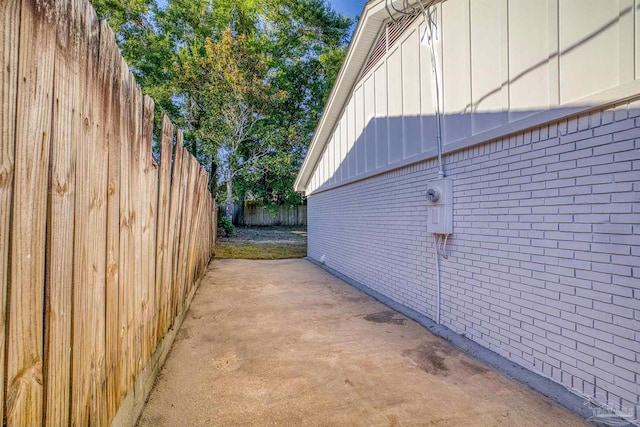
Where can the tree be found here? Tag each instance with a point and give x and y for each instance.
(149, 52)
(249, 121)
(305, 43)
(229, 86)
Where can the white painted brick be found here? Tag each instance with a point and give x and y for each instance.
(627, 364)
(614, 187)
(596, 160)
(614, 127)
(631, 176)
(625, 219)
(612, 168)
(544, 254)
(613, 228)
(579, 337)
(598, 353)
(593, 276)
(614, 208)
(616, 147)
(620, 331)
(611, 248)
(619, 269)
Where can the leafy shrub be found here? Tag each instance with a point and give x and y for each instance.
(227, 226)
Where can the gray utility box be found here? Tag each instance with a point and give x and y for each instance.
(440, 206)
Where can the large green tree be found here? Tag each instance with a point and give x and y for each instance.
(210, 62)
(305, 44)
(230, 90)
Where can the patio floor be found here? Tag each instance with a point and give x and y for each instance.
(285, 343)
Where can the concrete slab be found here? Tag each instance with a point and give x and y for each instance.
(286, 343)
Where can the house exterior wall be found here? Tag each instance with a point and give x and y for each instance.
(543, 263)
(544, 259)
(500, 63)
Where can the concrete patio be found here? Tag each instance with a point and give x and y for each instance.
(285, 343)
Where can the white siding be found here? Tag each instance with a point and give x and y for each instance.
(410, 95)
(369, 123)
(427, 95)
(331, 161)
(489, 74)
(588, 40)
(360, 147)
(528, 58)
(351, 137)
(500, 61)
(337, 143)
(344, 150)
(626, 41)
(637, 42)
(456, 70)
(394, 96)
(382, 141)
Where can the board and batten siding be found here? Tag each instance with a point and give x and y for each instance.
(502, 64)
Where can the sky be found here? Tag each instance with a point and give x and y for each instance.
(351, 8)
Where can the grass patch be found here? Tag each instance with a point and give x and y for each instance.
(253, 250)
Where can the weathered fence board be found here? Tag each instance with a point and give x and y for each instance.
(147, 213)
(87, 279)
(136, 339)
(184, 178)
(191, 183)
(126, 278)
(163, 256)
(176, 214)
(103, 102)
(60, 238)
(24, 377)
(112, 75)
(9, 31)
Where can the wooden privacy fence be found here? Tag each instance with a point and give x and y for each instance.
(256, 215)
(99, 245)
(286, 215)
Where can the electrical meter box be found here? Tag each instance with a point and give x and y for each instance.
(440, 206)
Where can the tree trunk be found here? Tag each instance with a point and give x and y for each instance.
(212, 178)
(194, 147)
(241, 208)
(229, 207)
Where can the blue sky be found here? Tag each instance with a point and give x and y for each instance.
(350, 8)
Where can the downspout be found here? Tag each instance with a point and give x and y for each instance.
(431, 24)
(438, 286)
(431, 31)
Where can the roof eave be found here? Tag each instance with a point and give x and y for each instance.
(374, 14)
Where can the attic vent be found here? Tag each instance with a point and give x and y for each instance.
(388, 38)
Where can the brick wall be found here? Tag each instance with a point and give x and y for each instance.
(544, 262)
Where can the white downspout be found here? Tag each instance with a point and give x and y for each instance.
(431, 31)
(438, 287)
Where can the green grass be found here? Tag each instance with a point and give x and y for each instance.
(253, 250)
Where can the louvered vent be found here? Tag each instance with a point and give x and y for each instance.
(388, 38)
(378, 52)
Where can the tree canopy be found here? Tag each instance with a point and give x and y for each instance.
(246, 79)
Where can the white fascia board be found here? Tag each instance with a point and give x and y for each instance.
(374, 15)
